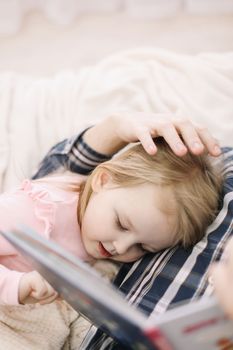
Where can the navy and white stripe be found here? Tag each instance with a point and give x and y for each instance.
(71, 154)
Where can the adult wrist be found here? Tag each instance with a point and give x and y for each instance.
(103, 137)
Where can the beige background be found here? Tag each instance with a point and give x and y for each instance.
(42, 47)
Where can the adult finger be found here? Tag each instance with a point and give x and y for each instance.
(190, 136)
(209, 141)
(144, 136)
(170, 134)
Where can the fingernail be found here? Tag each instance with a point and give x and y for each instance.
(151, 148)
(197, 145)
(180, 146)
(217, 149)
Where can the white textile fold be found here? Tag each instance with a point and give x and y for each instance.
(36, 113)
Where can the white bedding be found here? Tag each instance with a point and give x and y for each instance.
(36, 113)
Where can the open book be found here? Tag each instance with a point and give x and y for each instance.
(198, 325)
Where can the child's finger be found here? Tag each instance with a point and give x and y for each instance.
(39, 289)
(44, 294)
(50, 289)
(51, 294)
(49, 299)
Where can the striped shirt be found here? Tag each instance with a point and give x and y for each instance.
(160, 281)
(70, 154)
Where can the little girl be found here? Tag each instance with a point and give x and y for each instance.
(144, 199)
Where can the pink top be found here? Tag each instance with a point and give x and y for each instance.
(50, 211)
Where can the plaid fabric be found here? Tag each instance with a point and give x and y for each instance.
(70, 154)
(159, 281)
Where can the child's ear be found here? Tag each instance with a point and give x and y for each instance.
(101, 180)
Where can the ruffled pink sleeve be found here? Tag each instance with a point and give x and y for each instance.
(9, 286)
(43, 208)
(28, 205)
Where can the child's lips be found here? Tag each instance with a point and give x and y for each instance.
(103, 251)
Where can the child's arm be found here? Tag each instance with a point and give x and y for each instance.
(24, 287)
(17, 207)
(9, 285)
(116, 131)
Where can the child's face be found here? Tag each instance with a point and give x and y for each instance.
(124, 223)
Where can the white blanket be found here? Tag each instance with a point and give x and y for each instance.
(36, 113)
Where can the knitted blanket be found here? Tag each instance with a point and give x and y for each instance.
(34, 327)
(55, 326)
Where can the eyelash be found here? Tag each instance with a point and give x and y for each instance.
(143, 249)
(119, 225)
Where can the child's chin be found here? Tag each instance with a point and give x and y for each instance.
(125, 259)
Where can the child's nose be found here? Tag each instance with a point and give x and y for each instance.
(123, 246)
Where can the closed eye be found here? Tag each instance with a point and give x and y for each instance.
(143, 249)
(148, 249)
(119, 224)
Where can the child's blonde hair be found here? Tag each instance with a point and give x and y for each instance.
(195, 181)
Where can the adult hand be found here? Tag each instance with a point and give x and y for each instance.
(180, 133)
(117, 130)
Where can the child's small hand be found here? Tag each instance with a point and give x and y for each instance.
(34, 288)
